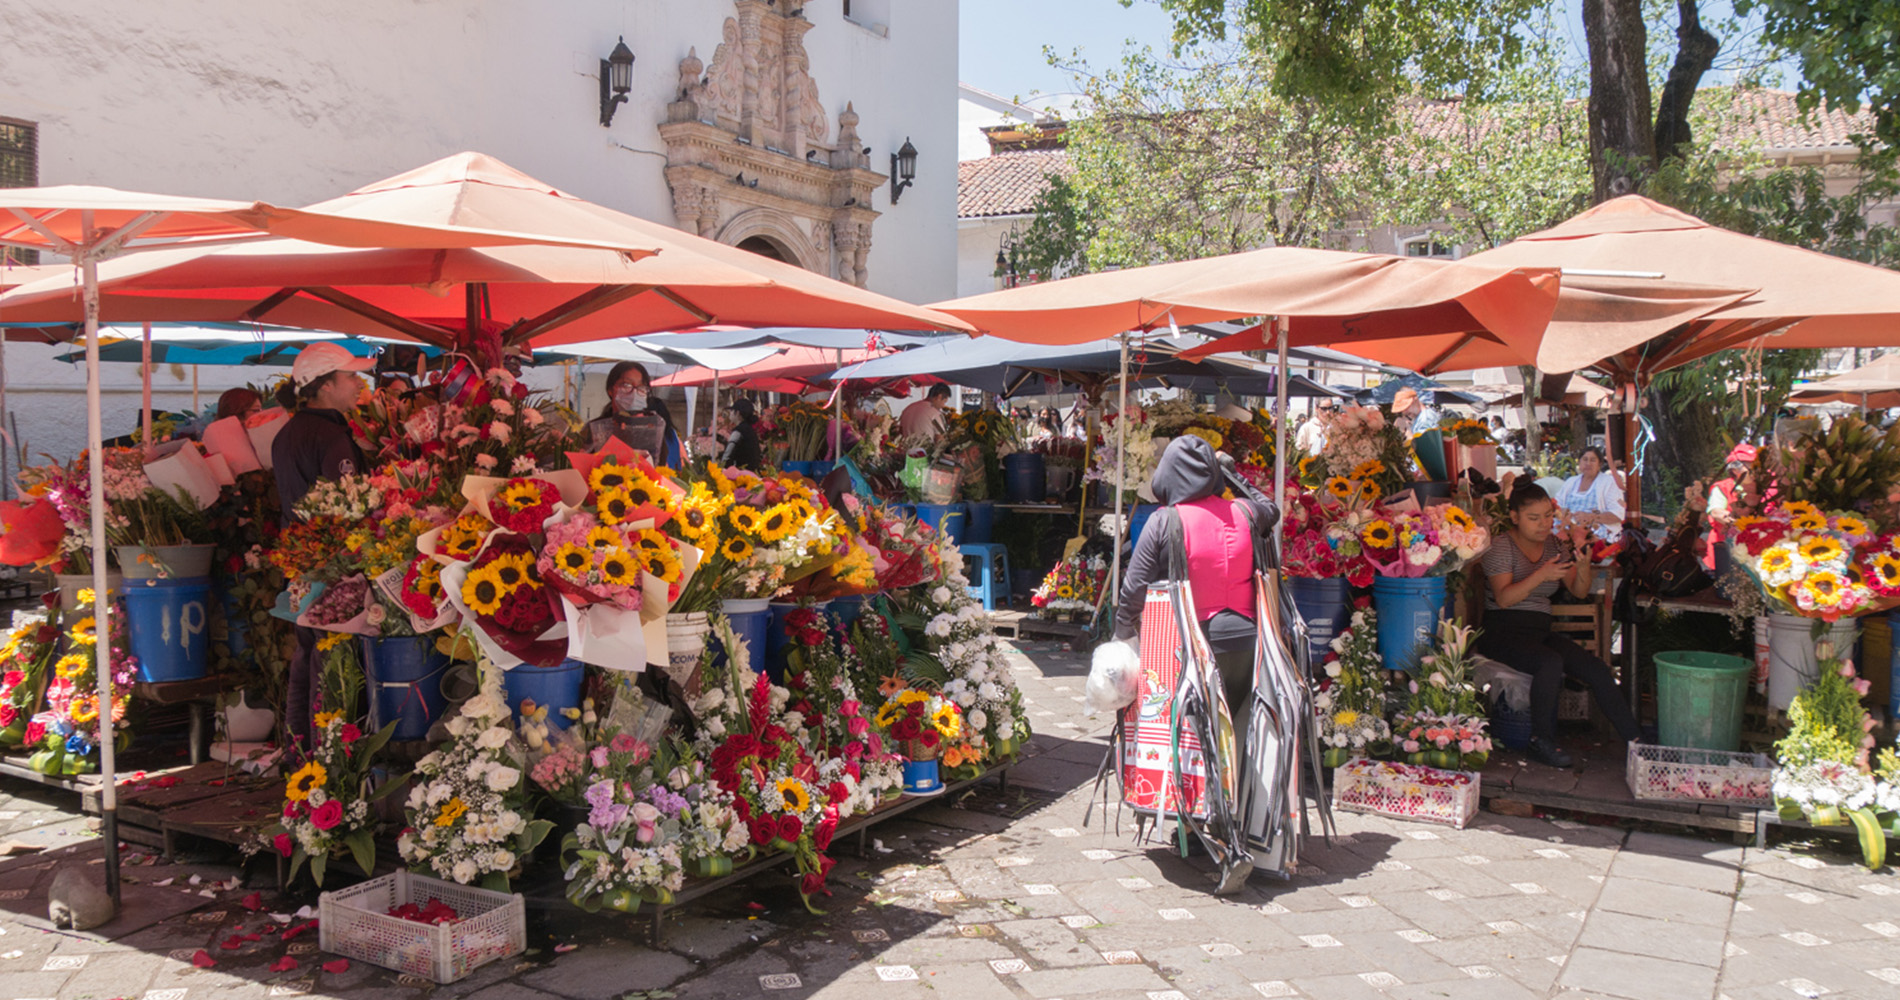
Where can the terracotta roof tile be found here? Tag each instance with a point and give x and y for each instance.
(1006, 183)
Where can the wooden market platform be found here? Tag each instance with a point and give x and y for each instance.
(1596, 785)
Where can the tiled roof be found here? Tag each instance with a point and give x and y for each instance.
(1006, 183)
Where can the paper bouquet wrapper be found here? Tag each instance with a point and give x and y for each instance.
(571, 483)
(358, 624)
(263, 432)
(185, 469)
(544, 650)
(608, 636)
(221, 470)
(390, 583)
(230, 439)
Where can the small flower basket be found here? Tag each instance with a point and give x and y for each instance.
(1686, 774)
(354, 923)
(1406, 791)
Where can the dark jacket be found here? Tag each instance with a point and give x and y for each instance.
(1189, 470)
(601, 428)
(314, 444)
(742, 447)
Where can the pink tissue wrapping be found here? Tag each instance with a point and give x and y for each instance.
(230, 438)
(265, 432)
(185, 469)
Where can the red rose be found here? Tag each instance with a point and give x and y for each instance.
(744, 809)
(837, 793)
(295, 810)
(821, 835)
(813, 885)
(905, 729)
(35, 731)
(929, 739)
(790, 828)
(13, 678)
(327, 815)
(282, 843)
(762, 830)
(349, 734)
(803, 708)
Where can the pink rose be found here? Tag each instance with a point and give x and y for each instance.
(599, 755)
(327, 815)
(1466, 746)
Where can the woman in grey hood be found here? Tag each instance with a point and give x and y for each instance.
(1220, 538)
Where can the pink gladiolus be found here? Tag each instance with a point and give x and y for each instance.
(1862, 686)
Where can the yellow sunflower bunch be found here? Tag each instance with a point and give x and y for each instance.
(463, 538)
(72, 666)
(521, 495)
(656, 554)
(488, 585)
(698, 516)
(609, 476)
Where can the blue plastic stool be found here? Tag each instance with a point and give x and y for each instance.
(995, 576)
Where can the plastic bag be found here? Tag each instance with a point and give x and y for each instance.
(1114, 676)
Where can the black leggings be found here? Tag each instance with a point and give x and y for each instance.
(1523, 641)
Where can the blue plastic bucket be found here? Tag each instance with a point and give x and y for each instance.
(167, 625)
(749, 619)
(1024, 478)
(1409, 610)
(921, 777)
(237, 631)
(1511, 727)
(947, 518)
(405, 683)
(845, 610)
(980, 519)
(557, 687)
(814, 470)
(1137, 520)
(777, 647)
(1326, 607)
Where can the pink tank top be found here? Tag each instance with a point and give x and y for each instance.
(1219, 541)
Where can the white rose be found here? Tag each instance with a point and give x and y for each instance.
(979, 719)
(464, 871)
(502, 778)
(502, 860)
(493, 738)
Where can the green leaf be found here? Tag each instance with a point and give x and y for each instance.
(318, 862)
(495, 882)
(536, 832)
(1873, 839)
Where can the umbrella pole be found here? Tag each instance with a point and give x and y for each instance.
(6, 444)
(145, 390)
(194, 388)
(837, 414)
(1121, 468)
(715, 408)
(1279, 433)
(101, 605)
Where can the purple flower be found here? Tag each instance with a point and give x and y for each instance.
(665, 800)
(599, 794)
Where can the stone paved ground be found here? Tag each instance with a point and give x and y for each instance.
(1005, 894)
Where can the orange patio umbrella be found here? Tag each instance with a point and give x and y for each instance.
(1873, 386)
(1796, 297)
(537, 296)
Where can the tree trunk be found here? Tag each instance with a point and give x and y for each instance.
(1622, 140)
(1696, 50)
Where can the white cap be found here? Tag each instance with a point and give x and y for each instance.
(322, 358)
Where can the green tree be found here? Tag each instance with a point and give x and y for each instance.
(1849, 52)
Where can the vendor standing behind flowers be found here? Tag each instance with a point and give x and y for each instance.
(630, 411)
(1523, 567)
(315, 444)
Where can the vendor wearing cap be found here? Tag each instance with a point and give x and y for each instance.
(315, 444)
(1739, 488)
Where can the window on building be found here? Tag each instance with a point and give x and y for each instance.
(1427, 246)
(19, 167)
(872, 15)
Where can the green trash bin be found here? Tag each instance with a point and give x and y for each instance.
(1699, 699)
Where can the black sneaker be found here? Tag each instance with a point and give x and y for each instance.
(1545, 751)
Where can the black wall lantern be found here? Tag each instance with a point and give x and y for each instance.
(616, 79)
(903, 168)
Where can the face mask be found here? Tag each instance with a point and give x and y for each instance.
(631, 400)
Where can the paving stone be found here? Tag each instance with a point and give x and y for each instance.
(510, 991)
(1667, 902)
(1049, 943)
(1637, 977)
(1695, 873)
(1624, 932)
(1121, 980)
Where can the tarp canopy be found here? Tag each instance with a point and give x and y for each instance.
(1795, 297)
(1420, 314)
(538, 296)
(1006, 367)
(1384, 392)
(222, 351)
(802, 367)
(628, 349)
(840, 339)
(1874, 385)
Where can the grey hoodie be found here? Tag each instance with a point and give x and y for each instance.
(1189, 470)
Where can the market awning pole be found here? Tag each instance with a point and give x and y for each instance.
(1121, 468)
(194, 388)
(101, 604)
(145, 390)
(1279, 431)
(6, 443)
(837, 414)
(715, 409)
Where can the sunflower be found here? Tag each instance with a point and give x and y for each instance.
(947, 721)
(1379, 535)
(307, 780)
(793, 795)
(744, 517)
(1341, 487)
(83, 709)
(573, 560)
(1368, 489)
(615, 506)
(1306, 466)
(888, 715)
(520, 495)
(697, 516)
(1820, 550)
(482, 591)
(429, 579)
(643, 492)
(608, 477)
(1746, 522)
(84, 631)
(802, 509)
(1796, 508)
(1825, 588)
(1457, 518)
(1778, 559)
(980, 427)
(1849, 524)
(1887, 568)
(1367, 469)
(649, 540)
(720, 483)
(775, 523)
(603, 538)
(665, 565)
(451, 811)
(322, 720)
(736, 549)
(619, 568)
(1808, 522)
(72, 665)
(511, 571)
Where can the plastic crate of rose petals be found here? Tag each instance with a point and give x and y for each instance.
(1406, 791)
(1687, 774)
(421, 925)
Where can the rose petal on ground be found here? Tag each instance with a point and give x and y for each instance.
(340, 965)
(253, 902)
(203, 960)
(284, 964)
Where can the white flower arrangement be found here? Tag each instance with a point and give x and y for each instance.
(975, 663)
(1349, 701)
(1824, 786)
(348, 498)
(467, 808)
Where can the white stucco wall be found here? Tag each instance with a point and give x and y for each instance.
(295, 103)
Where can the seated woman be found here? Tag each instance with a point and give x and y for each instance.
(1595, 495)
(1523, 567)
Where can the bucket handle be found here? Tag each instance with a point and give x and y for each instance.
(414, 689)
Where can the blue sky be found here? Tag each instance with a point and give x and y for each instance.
(1000, 41)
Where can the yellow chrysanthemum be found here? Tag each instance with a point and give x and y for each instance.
(450, 811)
(793, 794)
(1345, 717)
(86, 596)
(482, 591)
(1820, 550)
(775, 523)
(1379, 535)
(608, 476)
(308, 779)
(1341, 487)
(72, 665)
(1211, 436)
(744, 517)
(573, 560)
(619, 568)
(736, 549)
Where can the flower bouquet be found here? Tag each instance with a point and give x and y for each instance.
(407, 595)
(68, 488)
(467, 806)
(1819, 564)
(1072, 585)
(1434, 541)
(1443, 723)
(513, 610)
(327, 799)
(954, 646)
(1143, 451)
(1320, 544)
(908, 552)
(1824, 767)
(1362, 444)
(1350, 700)
(64, 736)
(856, 765)
(26, 658)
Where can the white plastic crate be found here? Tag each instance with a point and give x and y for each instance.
(1687, 774)
(355, 923)
(1406, 791)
